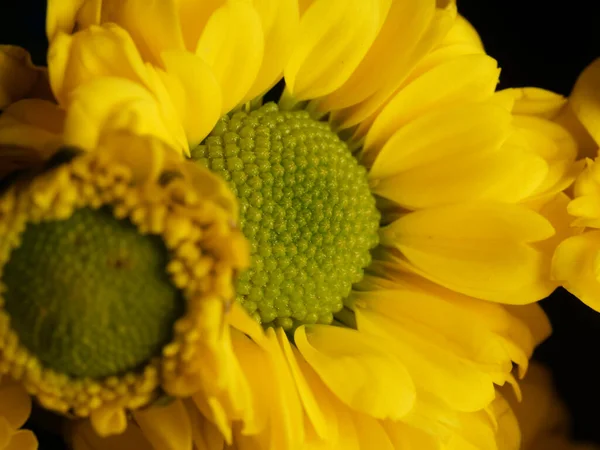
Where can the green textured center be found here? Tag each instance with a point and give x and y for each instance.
(89, 296)
(305, 207)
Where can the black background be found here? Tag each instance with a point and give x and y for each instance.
(536, 44)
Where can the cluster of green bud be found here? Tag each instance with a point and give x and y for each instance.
(305, 207)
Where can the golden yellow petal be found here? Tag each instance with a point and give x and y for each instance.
(482, 250)
(199, 94)
(166, 427)
(232, 44)
(18, 76)
(585, 99)
(576, 265)
(15, 406)
(465, 129)
(467, 79)
(96, 52)
(335, 36)
(379, 386)
(280, 22)
(405, 23)
(61, 16)
(110, 104)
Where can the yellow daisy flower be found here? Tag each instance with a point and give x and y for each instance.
(575, 261)
(401, 216)
(15, 406)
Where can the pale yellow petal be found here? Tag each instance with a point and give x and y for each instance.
(585, 99)
(335, 36)
(166, 427)
(483, 250)
(379, 385)
(467, 79)
(232, 44)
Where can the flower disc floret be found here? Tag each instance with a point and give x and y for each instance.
(305, 207)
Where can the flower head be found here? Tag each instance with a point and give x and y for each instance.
(401, 214)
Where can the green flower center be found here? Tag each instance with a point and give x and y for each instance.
(305, 207)
(89, 295)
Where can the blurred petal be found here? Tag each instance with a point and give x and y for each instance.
(18, 75)
(166, 427)
(585, 99)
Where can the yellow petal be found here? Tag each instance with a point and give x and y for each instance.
(205, 435)
(110, 104)
(280, 22)
(166, 427)
(405, 24)
(153, 25)
(435, 367)
(585, 99)
(93, 53)
(466, 129)
(34, 124)
(379, 385)
(108, 420)
(467, 79)
(18, 76)
(428, 35)
(370, 433)
(22, 440)
(83, 437)
(576, 264)
(199, 95)
(483, 250)
(552, 143)
(193, 16)
(406, 437)
(505, 174)
(61, 16)
(15, 406)
(313, 394)
(537, 102)
(494, 340)
(463, 33)
(335, 36)
(232, 44)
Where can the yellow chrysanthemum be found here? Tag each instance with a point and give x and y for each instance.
(394, 204)
(575, 264)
